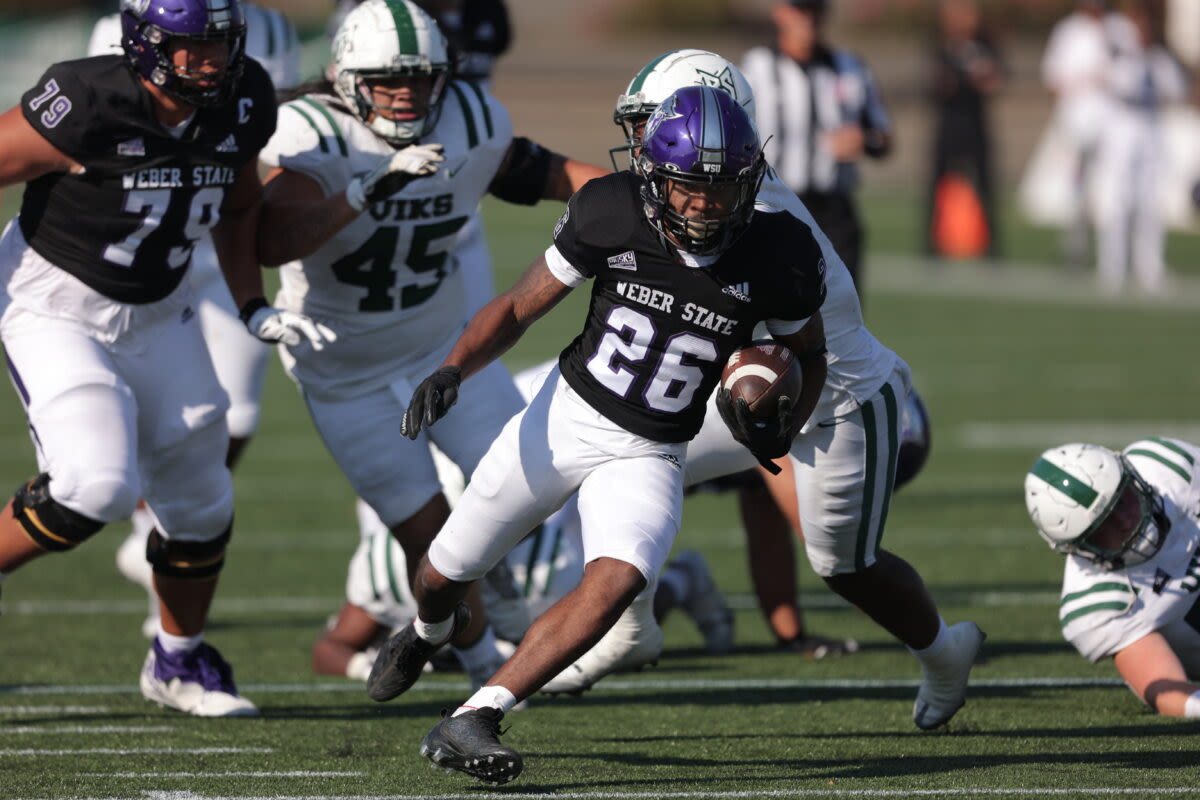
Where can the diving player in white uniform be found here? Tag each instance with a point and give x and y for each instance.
(1127, 523)
(374, 172)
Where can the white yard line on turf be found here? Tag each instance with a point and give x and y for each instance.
(24, 730)
(611, 685)
(293, 773)
(128, 751)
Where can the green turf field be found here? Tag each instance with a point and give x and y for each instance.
(1010, 360)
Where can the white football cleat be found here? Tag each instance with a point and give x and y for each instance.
(704, 603)
(632, 643)
(199, 682)
(943, 690)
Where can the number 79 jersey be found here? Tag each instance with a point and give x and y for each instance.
(390, 282)
(126, 226)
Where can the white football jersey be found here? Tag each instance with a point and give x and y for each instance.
(389, 283)
(858, 363)
(1102, 612)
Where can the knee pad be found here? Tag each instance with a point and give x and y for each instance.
(173, 558)
(50, 524)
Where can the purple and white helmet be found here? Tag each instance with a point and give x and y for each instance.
(701, 141)
(148, 28)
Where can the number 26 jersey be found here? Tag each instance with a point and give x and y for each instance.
(126, 226)
(658, 331)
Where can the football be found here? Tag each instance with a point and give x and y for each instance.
(760, 373)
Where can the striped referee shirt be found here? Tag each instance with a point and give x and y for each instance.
(797, 104)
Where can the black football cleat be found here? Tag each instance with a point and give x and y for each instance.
(403, 657)
(470, 743)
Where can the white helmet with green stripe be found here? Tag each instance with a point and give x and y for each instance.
(384, 40)
(1089, 501)
(674, 70)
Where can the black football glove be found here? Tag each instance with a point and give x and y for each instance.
(765, 439)
(431, 401)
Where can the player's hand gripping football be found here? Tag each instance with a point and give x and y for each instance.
(431, 400)
(765, 439)
(394, 173)
(271, 324)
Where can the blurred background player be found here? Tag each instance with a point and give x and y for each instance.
(155, 144)
(967, 73)
(239, 358)
(1075, 68)
(819, 112)
(1143, 78)
(374, 172)
(1127, 524)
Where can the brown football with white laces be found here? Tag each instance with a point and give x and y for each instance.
(760, 373)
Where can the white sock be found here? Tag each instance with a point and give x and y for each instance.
(495, 696)
(481, 653)
(178, 644)
(1191, 706)
(678, 581)
(931, 655)
(435, 632)
(359, 666)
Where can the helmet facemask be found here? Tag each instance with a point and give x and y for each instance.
(1106, 543)
(419, 118)
(712, 232)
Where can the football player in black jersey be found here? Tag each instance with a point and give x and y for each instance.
(684, 268)
(128, 160)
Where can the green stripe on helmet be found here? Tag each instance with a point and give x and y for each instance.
(406, 28)
(640, 78)
(1069, 485)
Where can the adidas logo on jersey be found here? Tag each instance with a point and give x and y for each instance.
(228, 146)
(625, 260)
(133, 147)
(739, 290)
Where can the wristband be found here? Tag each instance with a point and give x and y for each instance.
(249, 307)
(1191, 707)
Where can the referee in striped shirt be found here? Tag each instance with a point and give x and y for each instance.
(818, 111)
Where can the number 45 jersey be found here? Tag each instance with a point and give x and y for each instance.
(126, 226)
(389, 282)
(1102, 612)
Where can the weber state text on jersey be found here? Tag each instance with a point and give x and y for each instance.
(127, 224)
(658, 331)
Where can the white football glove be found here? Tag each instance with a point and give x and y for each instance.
(393, 173)
(271, 324)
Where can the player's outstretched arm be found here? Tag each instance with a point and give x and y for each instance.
(490, 333)
(1154, 672)
(529, 173)
(501, 323)
(298, 218)
(234, 234)
(25, 154)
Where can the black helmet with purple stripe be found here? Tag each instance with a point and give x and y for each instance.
(150, 29)
(702, 165)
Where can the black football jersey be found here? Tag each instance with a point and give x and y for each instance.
(658, 332)
(127, 224)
